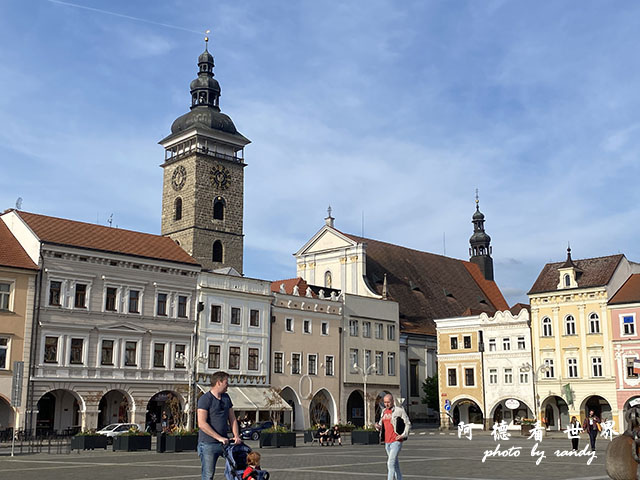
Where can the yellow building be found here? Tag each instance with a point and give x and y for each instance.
(460, 379)
(572, 337)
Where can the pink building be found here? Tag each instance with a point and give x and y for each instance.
(624, 312)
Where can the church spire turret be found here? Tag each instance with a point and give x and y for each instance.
(480, 241)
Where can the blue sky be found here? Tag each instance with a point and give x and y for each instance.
(396, 111)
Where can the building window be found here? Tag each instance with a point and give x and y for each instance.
(572, 367)
(567, 280)
(216, 314)
(454, 343)
(162, 305)
(134, 301)
(492, 344)
(506, 344)
(493, 376)
(549, 372)
(234, 358)
(569, 325)
(452, 377)
(325, 328)
(353, 328)
(632, 372)
(367, 359)
(278, 358)
(75, 357)
(4, 352)
(521, 343)
(328, 365)
(594, 323)
(306, 326)
(295, 364)
(80, 299)
(379, 330)
(235, 316)
(182, 306)
(524, 378)
(391, 364)
(391, 332)
(130, 349)
(181, 354)
(628, 324)
(469, 380)
(106, 354)
(327, 279)
(508, 376)
(158, 355)
(354, 360)
(50, 349)
(253, 359)
(414, 378)
(546, 327)
(110, 304)
(466, 340)
(379, 363)
(254, 318)
(596, 364)
(366, 329)
(54, 293)
(312, 364)
(5, 294)
(216, 254)
(177, 209)
(214, 357)
(218, 209)
(288, 324)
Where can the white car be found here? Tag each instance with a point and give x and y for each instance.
(115, 429)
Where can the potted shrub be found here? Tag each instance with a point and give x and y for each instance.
(88, 440)
(277, 436)
(182, 440)
(132, 441)
(365, 436)
(526, 425)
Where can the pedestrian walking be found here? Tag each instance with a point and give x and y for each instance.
(576, 428)
(592, 426)
(215, 416)
(394, 429)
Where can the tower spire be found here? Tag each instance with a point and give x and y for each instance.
(480, 241)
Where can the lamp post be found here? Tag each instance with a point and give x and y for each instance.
(527, 367)
(365, 372)
(191, 363)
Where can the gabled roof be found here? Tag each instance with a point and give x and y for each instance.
(60, 231)
(428, 286)
(629, 292)
(596, 272)
(11, 252)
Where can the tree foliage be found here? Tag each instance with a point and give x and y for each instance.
(430, 389)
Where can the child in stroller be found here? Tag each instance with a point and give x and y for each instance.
(236, 457)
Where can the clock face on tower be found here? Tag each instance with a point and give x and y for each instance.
(220, 177)
(179, 177)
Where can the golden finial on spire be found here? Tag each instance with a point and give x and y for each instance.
(206, 38)
(477, 198)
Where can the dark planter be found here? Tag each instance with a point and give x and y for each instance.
(181, 443)
(278, 440)
(88, 442)
(309, 436)
(526, 429)
(364, 437)
(132, 443)
(161, 442)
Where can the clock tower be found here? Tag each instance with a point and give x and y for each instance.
(203, 186)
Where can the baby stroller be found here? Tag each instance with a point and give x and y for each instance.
(236, 457)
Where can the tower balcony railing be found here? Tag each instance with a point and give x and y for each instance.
(174, 154)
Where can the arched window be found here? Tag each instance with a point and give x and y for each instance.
(546, 327)
(569, 325)
(217, 251)
(594, 323)
(177, 209)
(218, 208)
(567, 280)
(327, 279)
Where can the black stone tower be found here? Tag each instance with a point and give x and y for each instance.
(480, 250)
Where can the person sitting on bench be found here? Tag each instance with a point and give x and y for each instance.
(323, 434)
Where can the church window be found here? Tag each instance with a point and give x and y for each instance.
(327, 279)
(177, 209)
(217, 251)
(567, 280)
(218, 209)
(546, 327)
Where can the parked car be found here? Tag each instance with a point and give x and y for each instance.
(115, 429)
(253, 432)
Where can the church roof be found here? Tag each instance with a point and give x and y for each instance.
(11, 252)
(428, 286)
(629, 292)
(60, 231)
(596, 272)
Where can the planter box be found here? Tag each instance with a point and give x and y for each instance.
(181, 443)
(277, 439)
(364, 437)
(525, 430)
(88, 442)
(310, 436)
(132, 443)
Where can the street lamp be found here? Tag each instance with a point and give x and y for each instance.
(527, 367)
(365, 372)
(190, 364)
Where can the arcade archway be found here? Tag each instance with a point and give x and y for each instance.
(168, 403)
(467, 411)
(58, 413)
(114, 407)
(355, 408)
(600, 406)
(555, 412)
(295, 418)
(321, 408)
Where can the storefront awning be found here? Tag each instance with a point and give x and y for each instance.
(254, 398)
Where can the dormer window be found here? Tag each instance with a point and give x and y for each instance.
(567, 280)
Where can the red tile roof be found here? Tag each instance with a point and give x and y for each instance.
(596, 272)
(11, 252)
(518, 307)
(60, 231)
(629, 292)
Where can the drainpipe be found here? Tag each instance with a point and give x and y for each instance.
(35, 321)
(484, 390)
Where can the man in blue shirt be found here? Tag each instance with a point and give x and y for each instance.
(215, 414)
